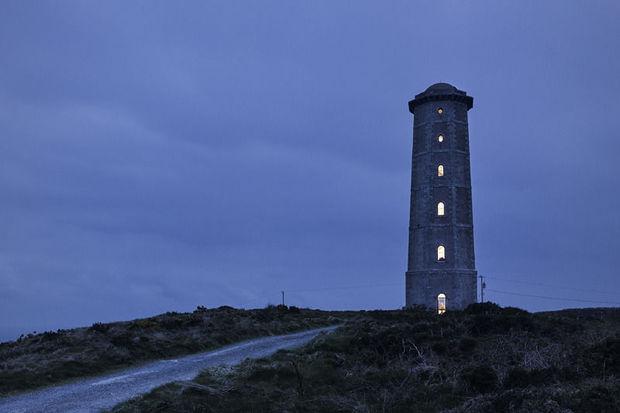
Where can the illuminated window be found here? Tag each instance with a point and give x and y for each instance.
(440, 170)
(440, 209)
(441, 253)
(440, 110)
(440, 138)
(441, 303)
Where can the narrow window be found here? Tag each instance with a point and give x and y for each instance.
(440, 209)
(441, 303)
(440, 170)
(441, 253)
(440, 110)
(440, 138)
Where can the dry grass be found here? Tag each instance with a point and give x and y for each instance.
(485, 359)
(51, 357)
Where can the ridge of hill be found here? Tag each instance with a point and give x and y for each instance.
(484, 359)
(37, 360)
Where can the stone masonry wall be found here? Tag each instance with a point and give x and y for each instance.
(455, 276)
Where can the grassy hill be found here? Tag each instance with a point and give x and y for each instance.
(484, 359)
(42, 359)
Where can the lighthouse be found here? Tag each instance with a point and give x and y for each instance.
(441, 271)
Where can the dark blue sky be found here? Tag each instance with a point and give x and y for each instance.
(156, 155)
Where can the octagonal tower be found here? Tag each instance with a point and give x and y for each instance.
(441, 271)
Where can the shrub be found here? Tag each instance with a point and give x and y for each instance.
(520, 377)
(488, 323)
(50, 335)
(480, 379)
(514, 311)
(102, 347)
(123, 340)
(262, 373)
(598, 399)
(417, 308)
(483, 308)
(390, 361)
(144, 324)
(100, 327)
(340, 343)
(439, 347)
(170, 321)
(467, 344)
(320, 371)
(481, 324)
(603, 358)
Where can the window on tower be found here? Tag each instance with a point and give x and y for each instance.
(440, 138)
(440, 209)
(440, 170)
(441, 303)
(441, 253)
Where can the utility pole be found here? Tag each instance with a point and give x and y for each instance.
(282, 297)
(483, 285)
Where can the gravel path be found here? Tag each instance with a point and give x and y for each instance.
(103, 392)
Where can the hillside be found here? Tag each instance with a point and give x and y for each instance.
(484, 359)
(41, 359)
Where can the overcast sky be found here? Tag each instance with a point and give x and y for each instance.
(155, 156)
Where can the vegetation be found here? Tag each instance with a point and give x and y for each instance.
(42, 359)
(484, 359)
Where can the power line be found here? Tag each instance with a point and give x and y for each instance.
(554, 298)
(348, 287)
(554, 286)
(345, 287)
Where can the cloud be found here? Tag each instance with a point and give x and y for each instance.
(155, 158)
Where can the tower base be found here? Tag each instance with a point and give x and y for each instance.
(423, 288)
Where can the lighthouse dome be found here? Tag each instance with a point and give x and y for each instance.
(440, 88)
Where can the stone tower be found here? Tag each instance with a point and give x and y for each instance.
(441, 271)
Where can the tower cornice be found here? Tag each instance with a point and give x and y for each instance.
(441, 92)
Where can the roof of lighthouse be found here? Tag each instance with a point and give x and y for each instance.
(440, 88)
(441, 92)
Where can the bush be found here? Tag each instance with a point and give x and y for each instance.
(336, 343)
(405, 361)
(103, 347)
(144, 324)
(170, 321)
(100, 327)
(514, 311)
(520, 377)
(598, 399)
(483, 308)
(123, 340)
(604, 357)
(417, 308)
(50, 335)
(467, 344)
(480, 379)
(488, 323)
(320, 371)
(439, 347)
(200, 309)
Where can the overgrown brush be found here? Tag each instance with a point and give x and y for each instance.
(42, 359)
(484, 359)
